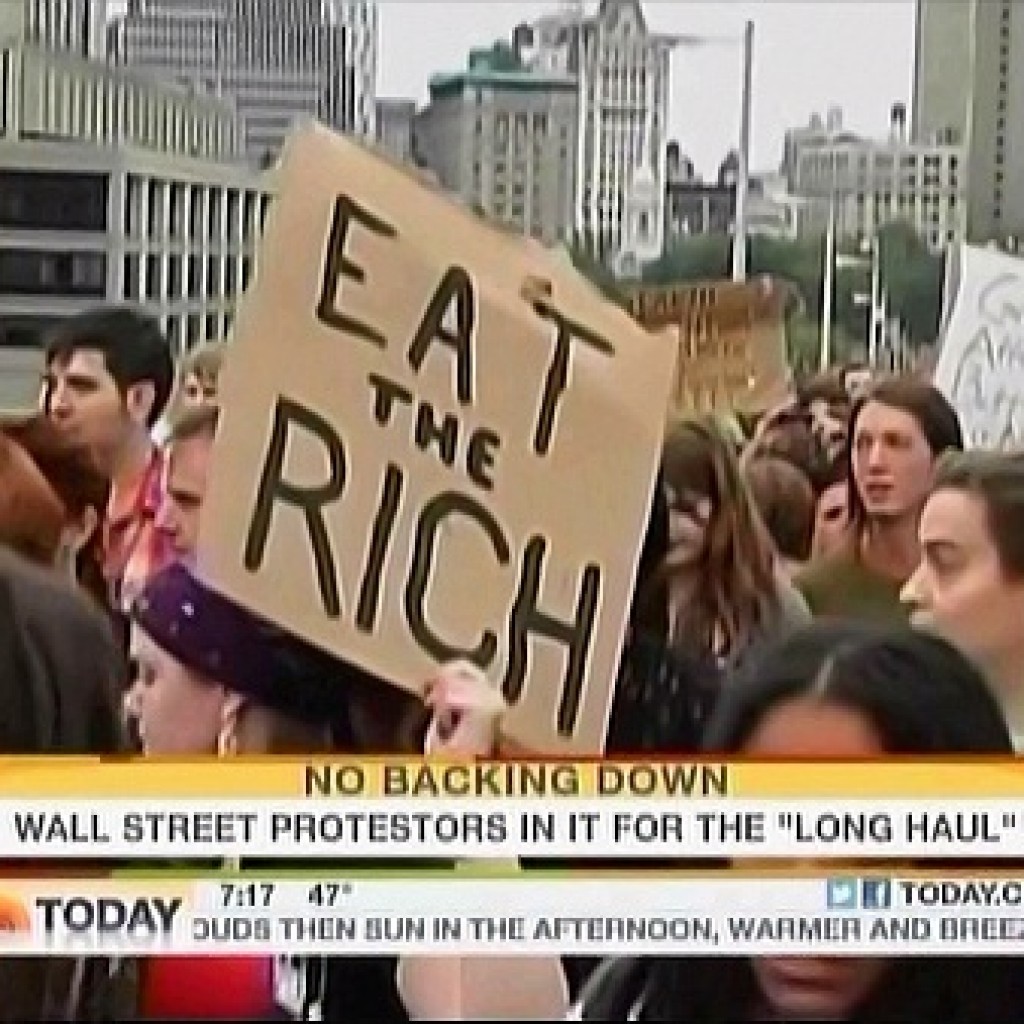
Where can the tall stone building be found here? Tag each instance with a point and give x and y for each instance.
(503, 138)
(279, 60)
(622, 70)
(969, 91)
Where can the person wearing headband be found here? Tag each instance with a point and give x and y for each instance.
(214, 678)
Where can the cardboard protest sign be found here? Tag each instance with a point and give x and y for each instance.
(436, 443)
(731, 341)
(981, 361)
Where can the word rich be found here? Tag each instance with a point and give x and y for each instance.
(109, 915)
(455, 294)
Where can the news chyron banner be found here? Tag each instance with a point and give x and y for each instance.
(873, 915)
(388, 809)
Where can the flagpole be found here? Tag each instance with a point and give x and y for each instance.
(739, 237)
(829, 286)
(876, 299)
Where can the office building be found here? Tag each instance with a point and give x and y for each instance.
(969, 90)
(816, 132)
(115, 187)
(281, 61)
(694, 206)
(622, 71)
(395, 121)
(70, 26)
(871, 183)
(503, 138)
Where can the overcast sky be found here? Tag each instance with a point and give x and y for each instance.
(857, 54)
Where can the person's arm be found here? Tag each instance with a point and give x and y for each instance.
(467, 712)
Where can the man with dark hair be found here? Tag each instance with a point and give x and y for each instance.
(109, 374)
(187, 455)
(970, 582)
(897, 431)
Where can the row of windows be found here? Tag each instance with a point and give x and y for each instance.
(146, 278)
(183, 331)
(53, 201)
(71, 106)
(42, 272)
(187, 211)
(191, 329)
(157, 276)
(811, 163)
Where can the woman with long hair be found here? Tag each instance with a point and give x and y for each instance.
(836, 691)
(831, 691)
(723, 586)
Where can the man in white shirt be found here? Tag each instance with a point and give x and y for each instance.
(970, 582)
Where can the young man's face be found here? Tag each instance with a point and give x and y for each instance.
(185, 481)
(83, 399)
(892, 463)
(960, 588)
(81, 396)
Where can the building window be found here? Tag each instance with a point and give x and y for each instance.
(154, 276)
(53, 201)
(42, 272)
(195, 277)
(132, 284)
(213, 276)
(174, 278)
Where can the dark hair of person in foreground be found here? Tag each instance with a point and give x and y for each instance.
(60, 673)
(917, 696)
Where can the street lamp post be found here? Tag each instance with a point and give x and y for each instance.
(746, 40)
(739, 245)
(828, 285)
(876, 323)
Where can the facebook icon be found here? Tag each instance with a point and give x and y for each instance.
(876, 894)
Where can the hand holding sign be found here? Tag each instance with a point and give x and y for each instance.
(467, 712)
(437, 444)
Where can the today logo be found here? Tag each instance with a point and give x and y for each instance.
(106, 915)
(14, 915)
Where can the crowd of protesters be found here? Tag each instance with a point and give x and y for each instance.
(837, 579)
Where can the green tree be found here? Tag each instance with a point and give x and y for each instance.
(913, 279)
(700, 258)
(597, 273)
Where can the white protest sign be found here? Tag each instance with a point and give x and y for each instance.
(981, 362)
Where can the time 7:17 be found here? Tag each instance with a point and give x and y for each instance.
(241, 895)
